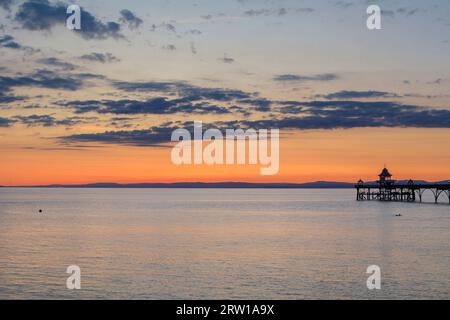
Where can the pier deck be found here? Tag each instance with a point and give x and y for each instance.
(401, 192)
(386, 189)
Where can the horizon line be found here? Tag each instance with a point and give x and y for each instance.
(204, 185)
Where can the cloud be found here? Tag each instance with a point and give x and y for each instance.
(57, 63)
(193, 32)
(174, 97)
(276, 12)
(257, 12)
(353, 114)
(5, 122)
(165, 26)
(6, 4)
(169, 47)
(261, 104)
(158, 105)
(100, 57)
(358, 95)
(7, 98)
(187, 91)
(7, 41)
(50, 120)
(437, 81)
(154, 136)
(299, 78)
(37, 120)
(308, 116)
(193, 48)
(226, 59)
(344, 4)
(129, 18)
(388, 13)
(408, 12)
(42, 15)
(42, 79)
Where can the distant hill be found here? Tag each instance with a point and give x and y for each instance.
(225, 185)
(217, 185)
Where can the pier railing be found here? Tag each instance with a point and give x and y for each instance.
(402, 192)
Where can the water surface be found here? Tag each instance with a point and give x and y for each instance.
(219, 244)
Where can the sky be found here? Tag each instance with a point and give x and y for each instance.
(99, 104)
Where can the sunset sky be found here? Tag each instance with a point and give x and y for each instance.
(99, 104)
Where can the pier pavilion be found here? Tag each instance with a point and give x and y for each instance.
(387, 189)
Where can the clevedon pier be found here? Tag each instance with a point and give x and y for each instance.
(387, 189)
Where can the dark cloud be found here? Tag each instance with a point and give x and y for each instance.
(175, 97)
(129, 18)
(154, 136)
(187, 91)
(358, 95)
(100, 57)
(37, 120)
(84, 76)
(41, 79)
(352, 114)
(299, 78)
(42, 15)
(5, 122)
(152, 86)
(159, 105)
(261, 104)
(8, 41)
(8, 98)
(165, 26)
(308, 116)
(50, 120)
(52, 61)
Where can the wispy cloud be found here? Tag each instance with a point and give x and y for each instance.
(129, 18)
(302, 78)
(100, 57)
(8, 41)
(52, 61)
(346, 94)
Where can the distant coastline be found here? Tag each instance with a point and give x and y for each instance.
(207, 185)
(202, 185)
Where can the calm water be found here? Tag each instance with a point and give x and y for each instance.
(224, 244)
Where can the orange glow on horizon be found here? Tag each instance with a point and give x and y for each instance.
(305, 156)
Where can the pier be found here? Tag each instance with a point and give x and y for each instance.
(387, 189)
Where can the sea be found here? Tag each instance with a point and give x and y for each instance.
(220, 244)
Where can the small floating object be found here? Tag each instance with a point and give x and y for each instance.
(398, 215)
(40, 210)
